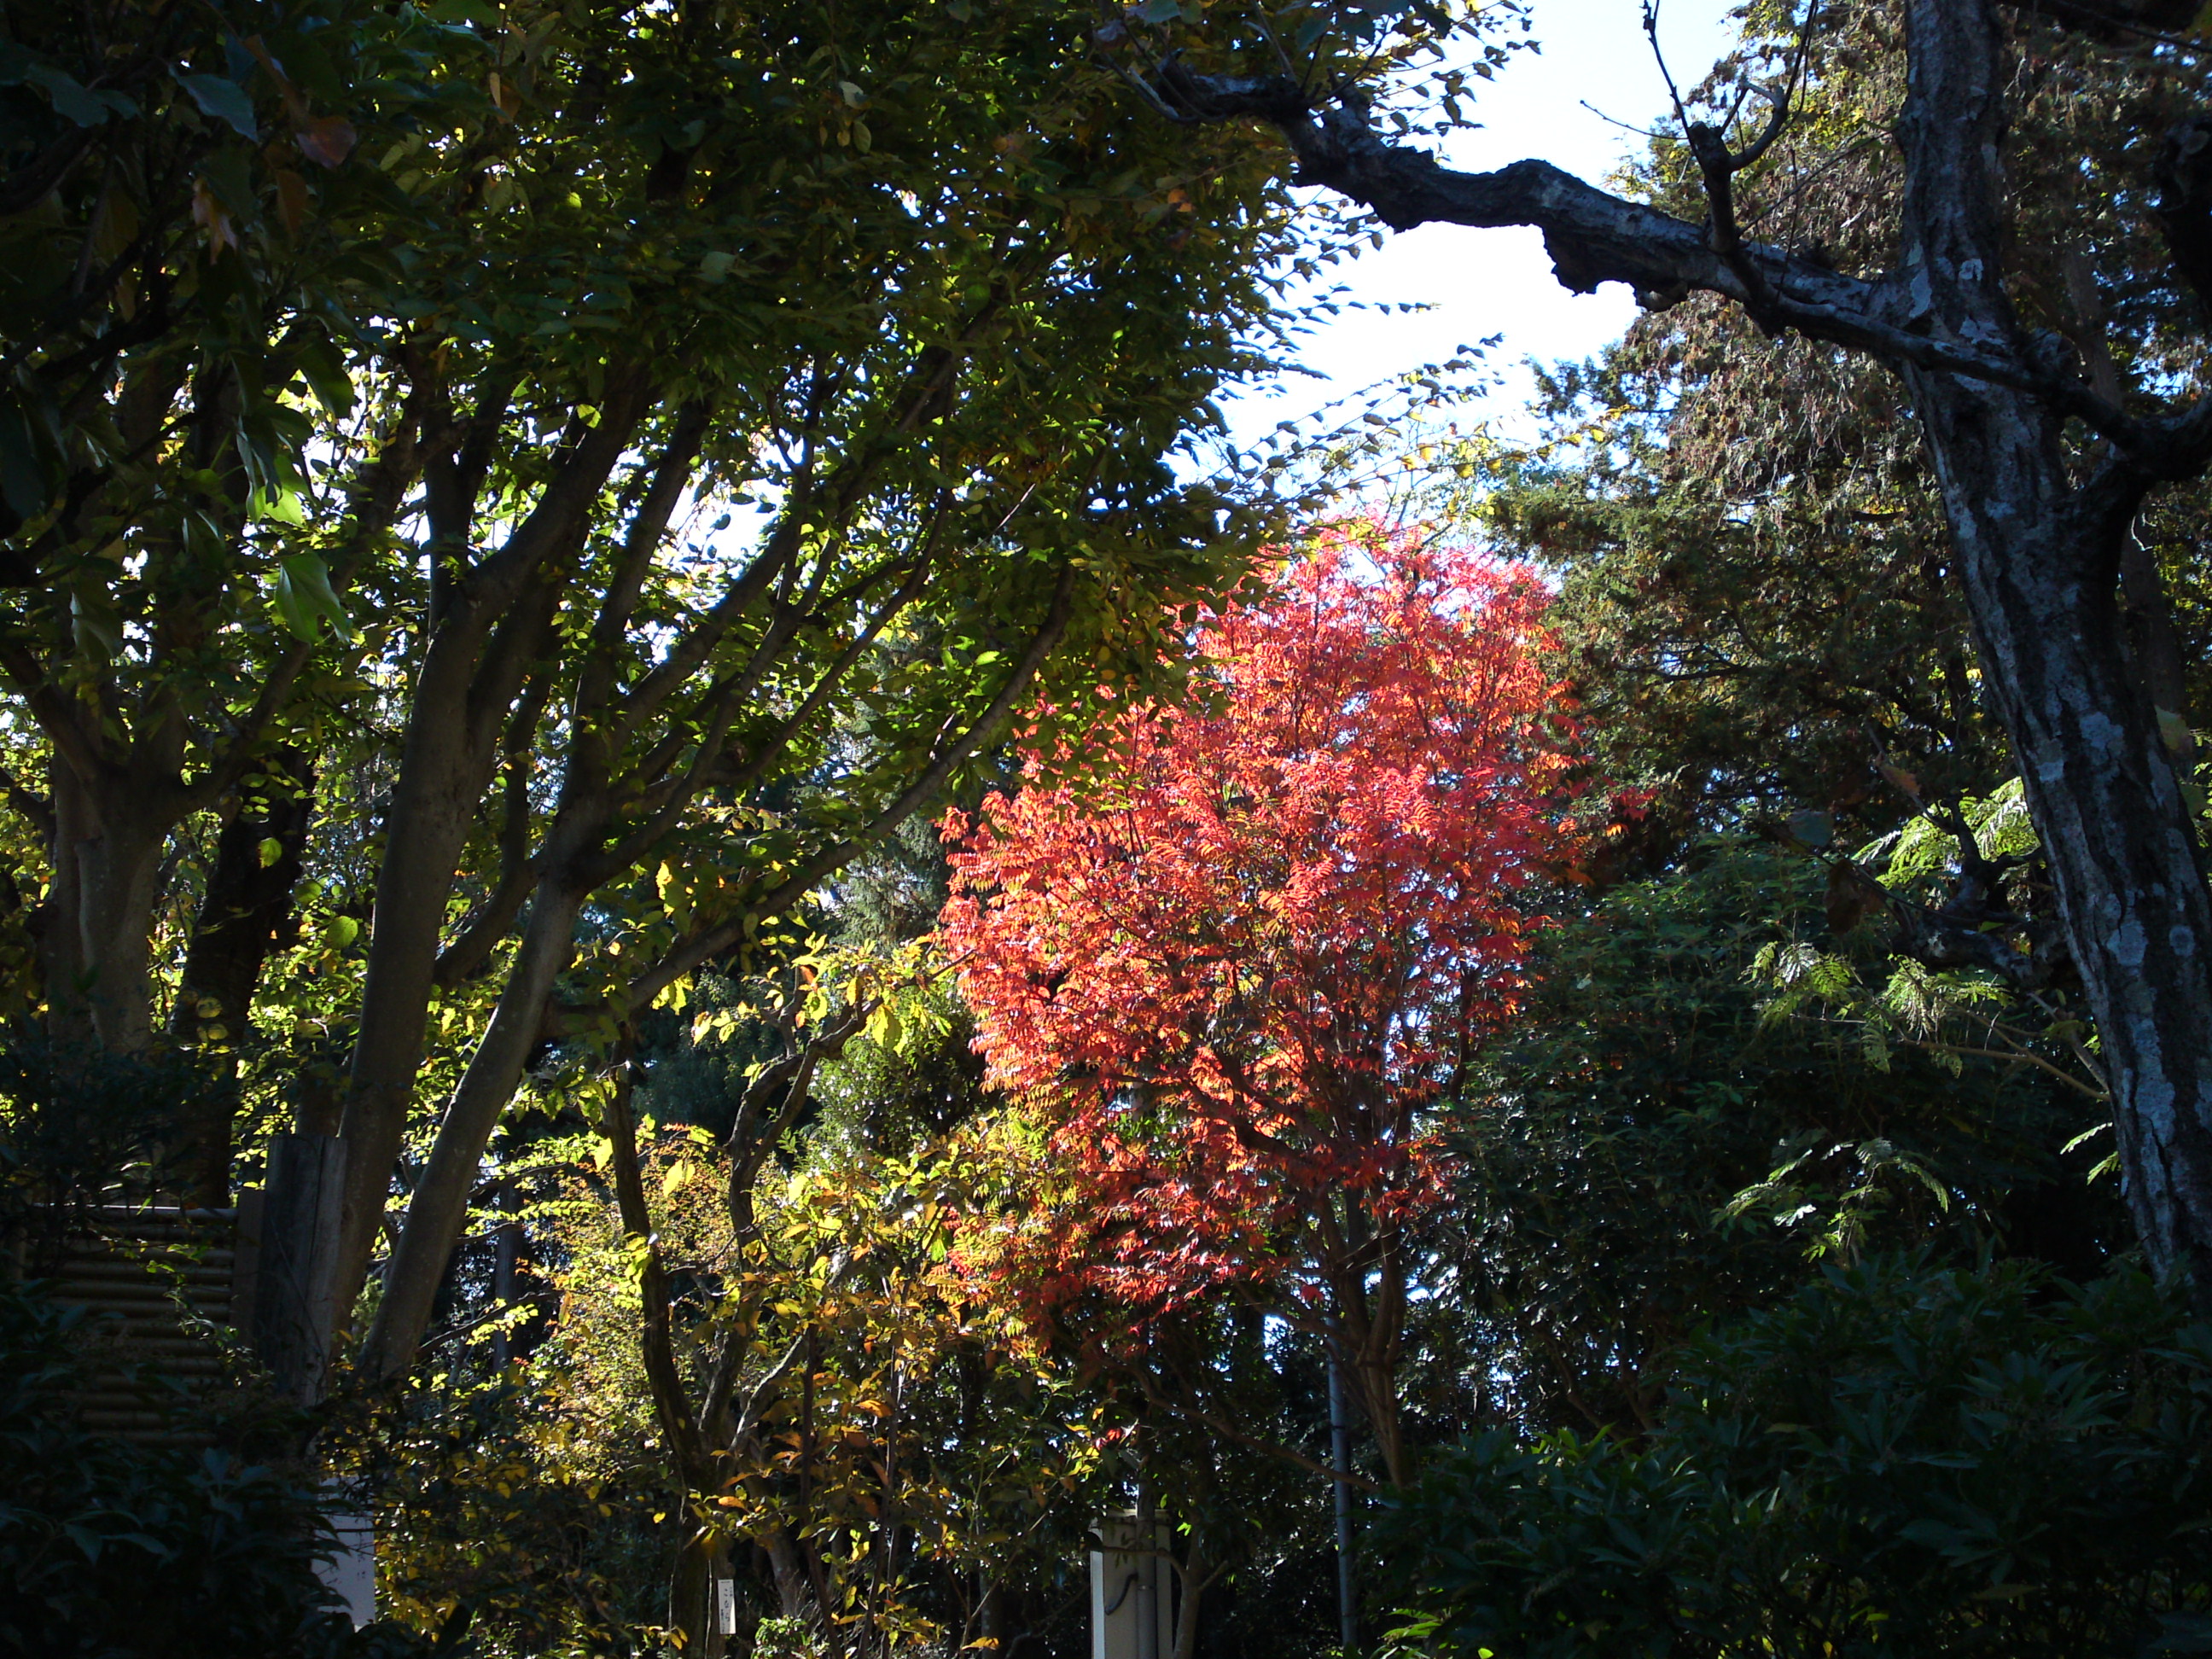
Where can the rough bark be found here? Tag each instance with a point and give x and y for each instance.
(2039, 557)
(2040, 552)
(112, 819)
(246, 901)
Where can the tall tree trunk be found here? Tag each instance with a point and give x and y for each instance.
(2102, 790)
(116, 858)
(438, 1211)
(1195, 1576)
(61, 936)
(247, 899)
(2040, 557)
(425, 831)
(694, 1592)
(490, 625)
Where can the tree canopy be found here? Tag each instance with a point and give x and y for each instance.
(824, 963)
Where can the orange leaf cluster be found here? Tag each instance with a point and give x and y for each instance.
(1242, 968)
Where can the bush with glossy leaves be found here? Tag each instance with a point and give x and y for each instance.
(1894, 1461)
(112, 1550)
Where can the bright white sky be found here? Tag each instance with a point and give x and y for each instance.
(1480, 283)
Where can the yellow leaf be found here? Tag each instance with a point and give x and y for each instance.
(678, 1173)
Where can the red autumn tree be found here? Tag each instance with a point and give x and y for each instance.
(1240, 972)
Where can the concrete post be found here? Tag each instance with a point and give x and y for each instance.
(1132, 1593)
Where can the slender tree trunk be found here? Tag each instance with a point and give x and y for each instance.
(1368, 1337)
(1340, 1457)
(1376, 1381)
(247, 899)
(691, 1585)
(470, 678)
(1193, 1575)
(438, 1208)
(425, 832)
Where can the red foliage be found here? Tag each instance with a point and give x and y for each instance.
(1237, 973)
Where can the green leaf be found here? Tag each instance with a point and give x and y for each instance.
(462, 11)
(24, 482)
(222, 100)
(74, 101)
(270, 850)
(322, 365)
(284, 507)
(93, 626)
(305, 598)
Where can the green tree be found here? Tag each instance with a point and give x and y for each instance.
(187, 247)
(1621, 1149)
(719, 423)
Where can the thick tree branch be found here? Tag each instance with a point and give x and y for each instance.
(1594, 237)
(491, 921)
(2182, 172)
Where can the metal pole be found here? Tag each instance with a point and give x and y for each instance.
(1148, 1576)
(1339, 1435)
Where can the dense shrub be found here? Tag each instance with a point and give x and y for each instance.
(1896, 1460)
(110, 1550)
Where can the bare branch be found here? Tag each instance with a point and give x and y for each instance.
(702, 947)
(722, 713)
